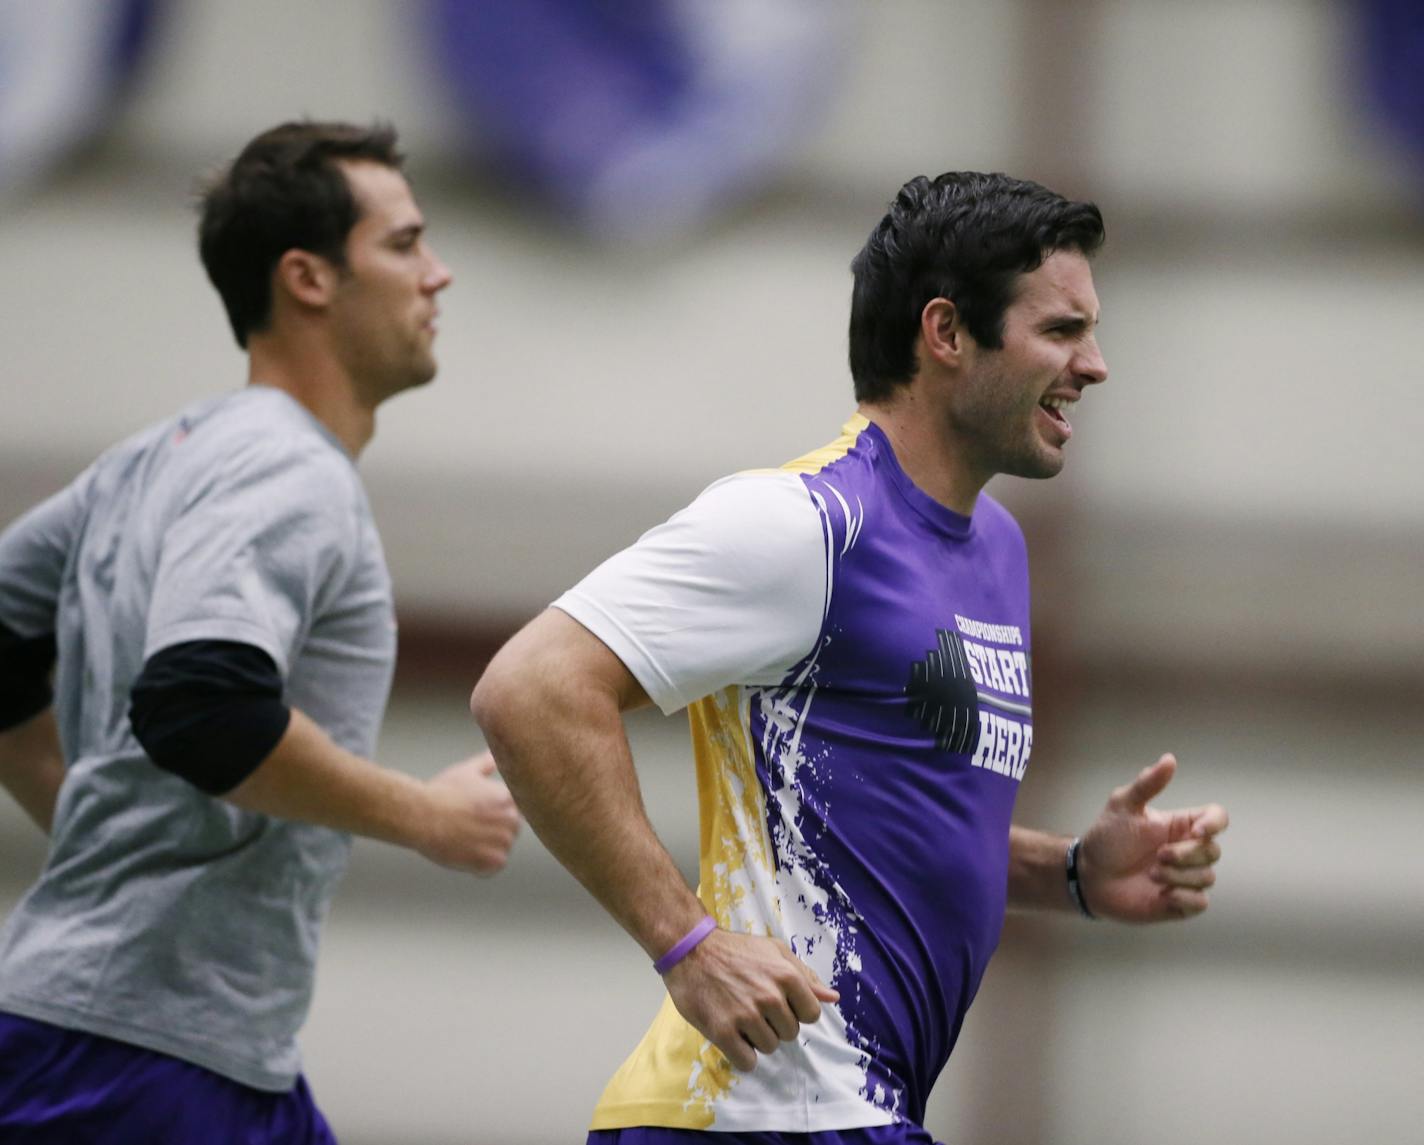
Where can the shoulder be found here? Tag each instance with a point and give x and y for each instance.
(261, 443)
(757, 492)
(766, 514)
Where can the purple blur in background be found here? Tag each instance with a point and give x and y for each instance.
(642, 117)
(1393, 42)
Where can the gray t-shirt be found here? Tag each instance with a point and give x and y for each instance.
(164, 917)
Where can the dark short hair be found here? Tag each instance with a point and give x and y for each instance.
(284, 191)
(964, 236)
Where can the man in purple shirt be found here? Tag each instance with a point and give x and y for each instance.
(850, 635)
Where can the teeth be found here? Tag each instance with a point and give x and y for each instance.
(1058, 403)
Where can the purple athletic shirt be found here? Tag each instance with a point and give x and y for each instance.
(857, 767)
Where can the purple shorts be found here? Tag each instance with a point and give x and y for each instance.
(63, 1087)
(901, 1134)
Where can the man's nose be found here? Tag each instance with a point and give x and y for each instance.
(1089, 366)
(438, 277)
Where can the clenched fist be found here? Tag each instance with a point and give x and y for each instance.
(474, 821)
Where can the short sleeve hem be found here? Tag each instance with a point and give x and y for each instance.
(217, 628)
(626, 647)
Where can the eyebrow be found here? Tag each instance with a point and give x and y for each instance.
(1071, 321)
(410, 230)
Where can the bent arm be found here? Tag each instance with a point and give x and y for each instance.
(32, 766)
(551, 705)
(462, 818)
(31, 759)
(211, 713)
(309, 777)
(33, 554)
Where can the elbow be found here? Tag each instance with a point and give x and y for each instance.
(483, 709)
(539, 690)
(496, 699)
(484, 703)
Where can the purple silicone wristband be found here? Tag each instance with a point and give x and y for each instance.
(684, 945)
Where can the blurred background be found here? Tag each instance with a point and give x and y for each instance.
(650, 207)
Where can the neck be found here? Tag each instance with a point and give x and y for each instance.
(317, 380)
(916, 434)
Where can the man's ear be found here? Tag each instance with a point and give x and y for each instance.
(942, 332)
(308, 279)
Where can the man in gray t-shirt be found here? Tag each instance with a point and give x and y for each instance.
(215, 603)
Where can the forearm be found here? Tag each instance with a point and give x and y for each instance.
(32, 766)
(310, 778)
(1037, 873)
(565, 755)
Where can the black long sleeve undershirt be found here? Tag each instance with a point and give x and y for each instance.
(209, 711)
(25, 664)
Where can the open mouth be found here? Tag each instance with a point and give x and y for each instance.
(1057, 410)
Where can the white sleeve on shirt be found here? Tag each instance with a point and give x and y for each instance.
(731, 590)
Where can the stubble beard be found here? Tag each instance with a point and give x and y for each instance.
(418, 368)
(1035, 464)
(1006, 437)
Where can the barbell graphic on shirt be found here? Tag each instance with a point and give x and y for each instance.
(948, 688)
